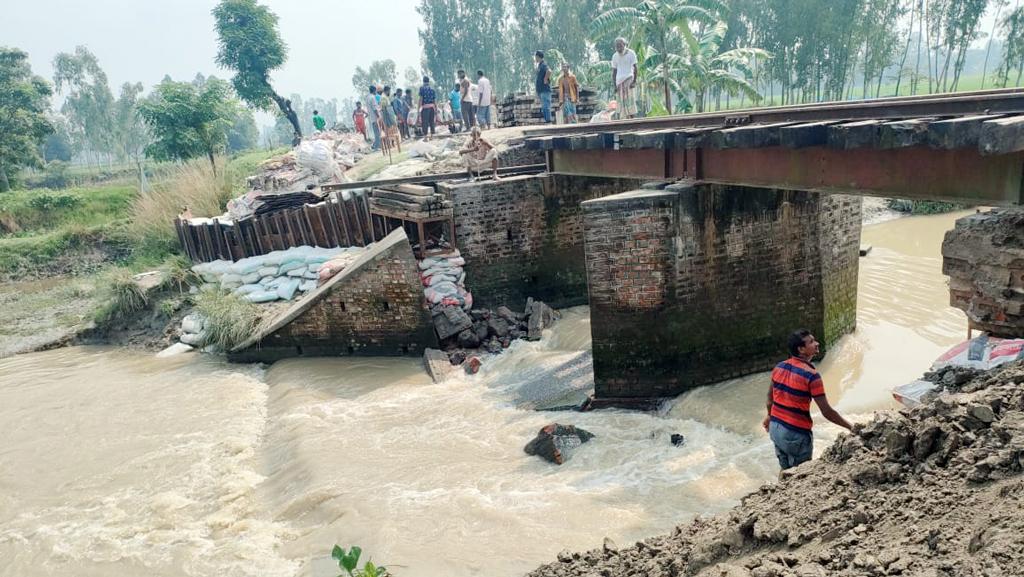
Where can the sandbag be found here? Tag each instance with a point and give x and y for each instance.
(307, 286)
(249, 288)
(251, 278)
(290, 266)
(192, 323)
(297, 272)
(315, 267)
(261, 297)
(440, 278)
(268, 271)
(287, 290)
(247, 266)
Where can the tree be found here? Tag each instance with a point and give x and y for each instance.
(243, 134)
(249, 43)
(704, 68)
(88, 103)
(658, 24)
(1012, 28)
(188, 122)
(380, 72)
(57, 145)
(24, 101)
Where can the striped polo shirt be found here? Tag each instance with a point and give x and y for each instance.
(794, 383)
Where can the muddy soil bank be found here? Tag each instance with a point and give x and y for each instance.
(935, 491)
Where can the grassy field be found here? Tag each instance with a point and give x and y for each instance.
(64, 254)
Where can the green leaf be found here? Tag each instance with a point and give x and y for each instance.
(337, 553)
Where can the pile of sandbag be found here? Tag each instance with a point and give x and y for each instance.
(193, 330)
(278, 275)
(444, 281)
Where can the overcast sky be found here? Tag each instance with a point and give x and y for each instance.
(142, 40)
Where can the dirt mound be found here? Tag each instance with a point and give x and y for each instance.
(933, 491)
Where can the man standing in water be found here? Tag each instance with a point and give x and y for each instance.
(795, 382)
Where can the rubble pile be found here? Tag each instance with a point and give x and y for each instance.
(556, 443)
(492, 331)
(523, 108)
(320, 158)
(935, 491)
(984, 258)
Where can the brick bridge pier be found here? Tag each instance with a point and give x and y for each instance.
(687, 285)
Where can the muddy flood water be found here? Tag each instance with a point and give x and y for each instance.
(118, 463)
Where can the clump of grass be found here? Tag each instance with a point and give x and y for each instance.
(26, 211)
(121, 296)
(178, 274)
(230, 320)
(195, 185)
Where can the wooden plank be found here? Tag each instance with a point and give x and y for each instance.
(691, 138)
(363, 202)
(352, 214)
(257, 234)
(413, 189)
(904, 133)
(962, 132)
(1002, 136)
(853, 135)
(805, 135)
(342, 211)
(750, 136)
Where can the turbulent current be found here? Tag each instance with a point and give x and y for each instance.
(119, 463)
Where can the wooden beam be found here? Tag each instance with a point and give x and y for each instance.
(1002, 136)
(962, 132)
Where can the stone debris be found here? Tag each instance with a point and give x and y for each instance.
(323, 157)
(984, 258)
(491, 331)
(936, 490)
(438, 366)
(556, 443)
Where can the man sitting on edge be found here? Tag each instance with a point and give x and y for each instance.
(478, 154)
(795, 382)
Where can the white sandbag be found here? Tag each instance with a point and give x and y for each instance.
(457, 261)
(274, 258)
(318, 156)
(251, 278)
(462, 279)
(290, 266)
(311, 275)
(307, 286)
(298, 272)
(314, 268)
(430, 262)
(249, 288)
(230, 278)
(440, 278)
(173, 350)
(211, 278)
(317, 259)
(265, 281)
(432, 296)
(261, 297)
(278, 281)
(467, 300)
(192, 323)
(268, 270)
(287, 290)
(218, 267)
(194, 340)
(445, 289)
(247, 266)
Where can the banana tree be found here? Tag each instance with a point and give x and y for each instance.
(703, 68)
(658, 24)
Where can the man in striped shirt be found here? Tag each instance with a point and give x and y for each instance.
(795, 382)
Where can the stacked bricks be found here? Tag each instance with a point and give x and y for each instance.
(523, 108)
(373, 308)
(523, 236)
(696, 284)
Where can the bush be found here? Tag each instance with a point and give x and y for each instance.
(230, 320)
(121, 296)
(923, 206)
(43, 209)
(178, 274)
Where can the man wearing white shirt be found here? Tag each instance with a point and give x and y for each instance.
(624, 76)
(483, 100)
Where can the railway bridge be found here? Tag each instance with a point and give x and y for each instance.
(749, 222)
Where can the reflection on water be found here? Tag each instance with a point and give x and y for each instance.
(115, 463)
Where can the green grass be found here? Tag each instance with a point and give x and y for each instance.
(120, 295)
(229, 319)
(28, 211)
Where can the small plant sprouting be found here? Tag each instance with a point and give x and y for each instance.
(349, 562)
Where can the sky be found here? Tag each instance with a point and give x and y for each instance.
(143, 40)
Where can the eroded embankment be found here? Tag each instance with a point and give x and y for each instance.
(932, 491)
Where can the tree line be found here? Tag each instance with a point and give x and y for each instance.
(701, 54)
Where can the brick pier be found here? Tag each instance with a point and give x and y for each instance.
(696, 284)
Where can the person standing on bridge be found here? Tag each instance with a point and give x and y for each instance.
(318, 121)
(795, 382)
(568, 93)
(543, 85)
(428, 108)
(624, 77)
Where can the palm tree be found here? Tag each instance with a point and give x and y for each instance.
(703, 68)
(658, 24)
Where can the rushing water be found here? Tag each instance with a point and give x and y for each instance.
(117, 463)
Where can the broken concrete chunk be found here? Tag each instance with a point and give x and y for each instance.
(452, 321)
(438, 365)
(557, 443)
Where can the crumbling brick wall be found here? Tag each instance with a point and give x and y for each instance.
(523, 236)
(984, 258)
(697, 284)
(375, 308)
